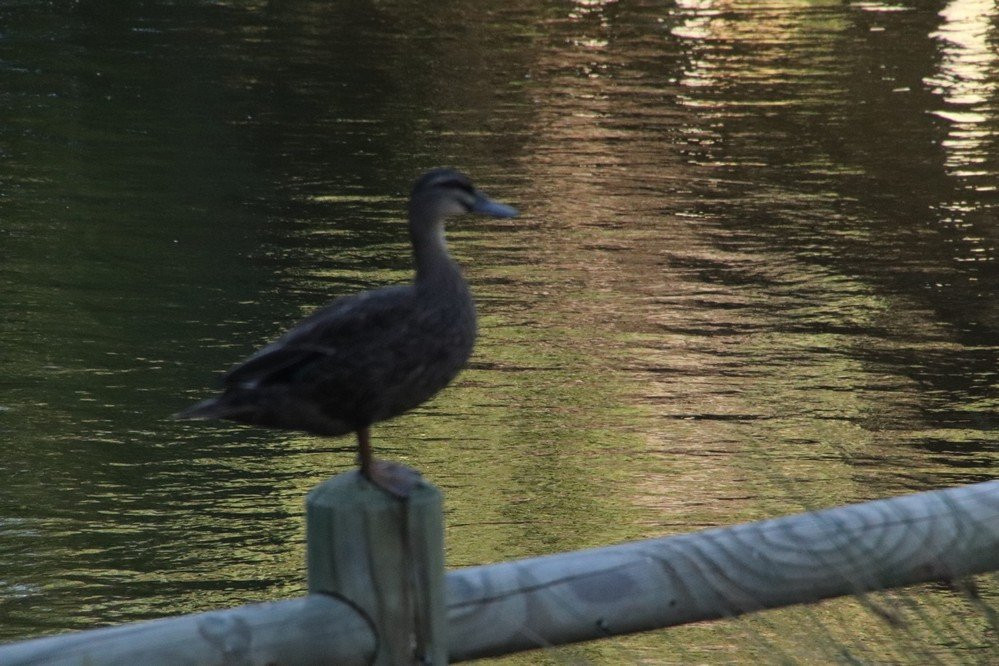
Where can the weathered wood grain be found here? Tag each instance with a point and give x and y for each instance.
(312, 630)
(385, 556)
(502, 608)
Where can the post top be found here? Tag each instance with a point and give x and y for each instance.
(352, 488)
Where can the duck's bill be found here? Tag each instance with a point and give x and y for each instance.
(487, 206)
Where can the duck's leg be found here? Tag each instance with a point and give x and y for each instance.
(394, 478)
(364, 458)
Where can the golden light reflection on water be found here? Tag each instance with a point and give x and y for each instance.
(966, 82)
(742, 370)
(686, 328)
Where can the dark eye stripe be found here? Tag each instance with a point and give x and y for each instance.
(458, 184)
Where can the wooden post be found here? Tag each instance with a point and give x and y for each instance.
(385, 556)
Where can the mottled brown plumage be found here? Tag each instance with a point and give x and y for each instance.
(368, 357)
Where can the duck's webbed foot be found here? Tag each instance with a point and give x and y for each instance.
(392, 477)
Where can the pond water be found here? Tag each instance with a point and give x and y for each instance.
(755, 273)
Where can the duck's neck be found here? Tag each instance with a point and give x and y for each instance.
(434, 265)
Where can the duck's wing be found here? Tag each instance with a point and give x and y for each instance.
(338, 331)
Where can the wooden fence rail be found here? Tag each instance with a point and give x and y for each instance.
(941, 535)
(378, 592)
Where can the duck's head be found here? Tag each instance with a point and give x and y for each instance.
(444, 192)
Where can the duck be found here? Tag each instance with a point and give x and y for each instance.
(370, 356)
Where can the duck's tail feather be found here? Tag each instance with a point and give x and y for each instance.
(212, 408)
